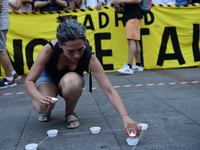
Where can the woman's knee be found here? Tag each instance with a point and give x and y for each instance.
(71, 80)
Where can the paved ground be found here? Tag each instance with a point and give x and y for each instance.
(171, 109)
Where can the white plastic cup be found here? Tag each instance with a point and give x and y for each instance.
(95, 130)
(132, 141)
(52, 133)
(143, 125)
(31, 146)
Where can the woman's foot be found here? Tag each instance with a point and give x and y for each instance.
(44, 117)
(72, 121)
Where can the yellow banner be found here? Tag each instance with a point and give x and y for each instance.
(173, 38)
(169, 36)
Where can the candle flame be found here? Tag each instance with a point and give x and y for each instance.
(132, 134)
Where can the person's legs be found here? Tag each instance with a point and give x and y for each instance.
(70, 87)
(136, 37)
(138, 52)
(7, 66)
(47, 85)
(131, 36)
(138, 65)
(46, 89)
(8, 81)
(6, 63)
(4, 58)
(132, 50)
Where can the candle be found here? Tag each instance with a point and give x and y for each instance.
(132, 134)
(54, 99)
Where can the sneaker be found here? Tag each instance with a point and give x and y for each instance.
(137, 68)
(6, 83)
(125, 70)
(16, 77)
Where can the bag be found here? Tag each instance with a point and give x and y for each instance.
(146, 5)
(90, 72)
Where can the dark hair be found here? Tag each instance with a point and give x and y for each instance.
(69, 29)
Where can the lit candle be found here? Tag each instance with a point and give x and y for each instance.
(132, 134)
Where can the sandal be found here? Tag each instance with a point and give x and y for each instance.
(71, 121)
(47, 117)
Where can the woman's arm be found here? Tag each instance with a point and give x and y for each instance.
(36, 70)
(99, 74)
(106, 86)
(39, 4)
(27, 1)
(15, 5)
(78, 2)
(62, 3)
(127, 1)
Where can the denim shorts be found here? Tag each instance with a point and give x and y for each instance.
(46, 77)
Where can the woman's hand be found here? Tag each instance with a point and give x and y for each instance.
(45, 102)
(129, 123)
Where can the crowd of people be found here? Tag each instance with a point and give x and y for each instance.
(54, 5)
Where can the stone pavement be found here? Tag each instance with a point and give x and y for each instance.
(166, 100)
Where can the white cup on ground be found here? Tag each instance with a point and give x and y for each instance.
(52, 133)
(31, 146)
(95, 130)
(132, 141)
(143, 125)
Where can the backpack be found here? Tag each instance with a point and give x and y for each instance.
(146, 5)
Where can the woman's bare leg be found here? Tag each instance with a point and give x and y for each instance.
(70, 87)
(47, 89)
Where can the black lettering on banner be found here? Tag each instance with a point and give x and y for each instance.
(162, 56)
(101, 25)
(143, 31)
(18, 56)
(99, 52)
(117, 19)
(29, 50)
(88, 18)
(147, 20)
(195, 42)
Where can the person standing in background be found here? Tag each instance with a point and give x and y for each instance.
(91, 3)
(73, 4)
(11, 75)
(27, 6)
(132, 17)
(50, 5)
(14, 5)
(20, 5)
